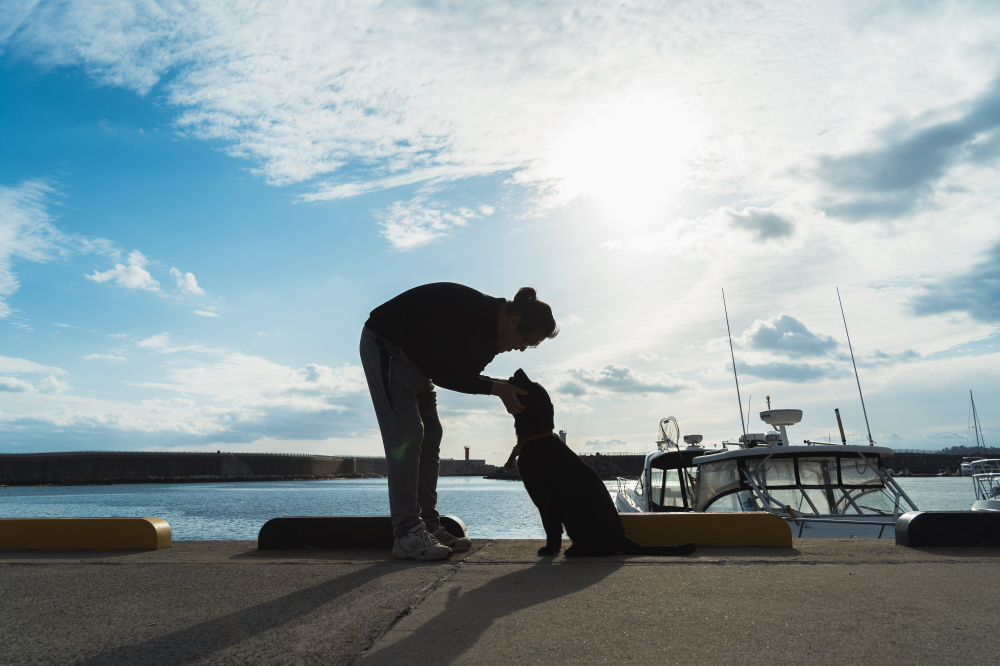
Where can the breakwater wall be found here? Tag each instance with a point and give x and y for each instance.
(93, 466)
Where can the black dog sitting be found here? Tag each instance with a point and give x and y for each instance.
(565, 489)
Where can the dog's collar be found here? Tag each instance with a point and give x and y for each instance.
(517, 449)
(539, 435)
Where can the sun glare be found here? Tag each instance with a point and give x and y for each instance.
(630, 157)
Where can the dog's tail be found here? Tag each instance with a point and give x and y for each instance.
(630, 547)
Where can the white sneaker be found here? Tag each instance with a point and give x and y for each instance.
(419, 545)
(457, 544)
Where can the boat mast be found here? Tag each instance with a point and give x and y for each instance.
(733, 356)
(871, 442)
(980, 442)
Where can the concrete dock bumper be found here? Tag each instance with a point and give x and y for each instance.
(948, 528)
(84, 534)
(336, 532)
(708, 529)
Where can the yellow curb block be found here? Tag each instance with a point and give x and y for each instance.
(84, 534)
(708, 529)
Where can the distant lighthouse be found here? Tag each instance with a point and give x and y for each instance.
(562, 436)
(467, 453)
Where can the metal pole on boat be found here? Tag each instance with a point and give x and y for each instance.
(733, 356)
(975, 422)
(840, 424)
(871, 441)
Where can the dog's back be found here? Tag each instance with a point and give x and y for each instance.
(561, 484)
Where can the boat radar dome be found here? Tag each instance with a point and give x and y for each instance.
(779, 418)
(692, 440)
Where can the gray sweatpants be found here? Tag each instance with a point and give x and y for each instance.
(406, 408)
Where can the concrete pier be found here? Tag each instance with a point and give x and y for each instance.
(217, 602)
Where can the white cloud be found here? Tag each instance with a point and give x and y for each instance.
(187, 283)
(26, 233)
(15, 385)
(48, 384)
(607, 446)
(17, 366)
(410, 225)
(211, 392)
(104, 357)
(131, 276)
(622, 380)
(205, 313)
(526, 87)
(158, 342)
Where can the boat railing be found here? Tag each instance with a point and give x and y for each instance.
(622, 485)
(987, 486)
(772, 505)
(799, 520)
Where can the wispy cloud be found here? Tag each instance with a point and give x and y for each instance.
(132, 275)
(50, 384)
(794, 372)
(366, 88)
(211, 392)
(623, 380)
(104, 357)
(975, 292)
(763, 223)
(26, 233)
(712, 235)
(409, 225)
(17, 366)
(187, 283)
(783, 348)
(786, 335)
(896, 177)
(15, 385)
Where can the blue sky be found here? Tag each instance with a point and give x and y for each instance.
(201, 202)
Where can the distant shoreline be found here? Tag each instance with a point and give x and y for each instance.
(200, 479)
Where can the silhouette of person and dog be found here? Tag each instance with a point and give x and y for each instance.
(445, 334)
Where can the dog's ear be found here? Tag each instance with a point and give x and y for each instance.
(521, 376)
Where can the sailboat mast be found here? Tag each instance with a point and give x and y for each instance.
(864, 411)
(975, 424)
(735, 376)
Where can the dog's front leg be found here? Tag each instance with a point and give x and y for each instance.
(553, 535)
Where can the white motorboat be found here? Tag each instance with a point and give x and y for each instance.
(986, 483)
(822, 490)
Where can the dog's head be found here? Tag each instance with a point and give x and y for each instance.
(538, 415)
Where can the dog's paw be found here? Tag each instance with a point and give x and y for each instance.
(545, 551)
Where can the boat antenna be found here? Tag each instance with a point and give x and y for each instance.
(871, 441)
(975, 423)
(733, 356)
(748, 407)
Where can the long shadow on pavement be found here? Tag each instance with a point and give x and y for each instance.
(190, 644)
(445, 637)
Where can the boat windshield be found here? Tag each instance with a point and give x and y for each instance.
(715, 479)
(816, 485)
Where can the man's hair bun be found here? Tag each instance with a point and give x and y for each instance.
(525, 294)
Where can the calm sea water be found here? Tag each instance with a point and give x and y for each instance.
(202, 511)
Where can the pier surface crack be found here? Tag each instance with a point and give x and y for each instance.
(422, 594)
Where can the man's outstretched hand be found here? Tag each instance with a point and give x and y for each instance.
(508, 393)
